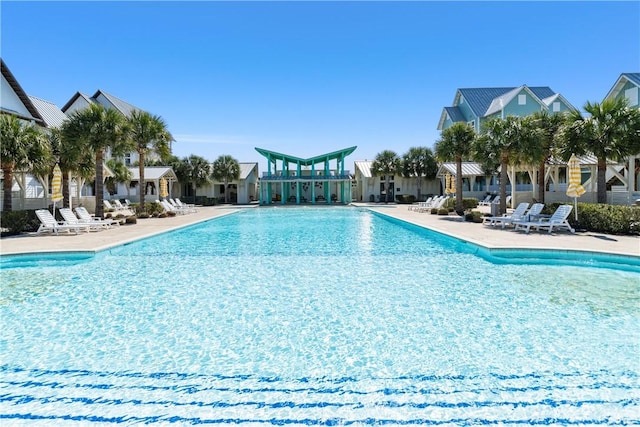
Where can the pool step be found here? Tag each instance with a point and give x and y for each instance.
(170, 398)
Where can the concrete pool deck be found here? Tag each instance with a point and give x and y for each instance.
(483, 235)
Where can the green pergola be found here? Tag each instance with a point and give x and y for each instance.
(291, 179)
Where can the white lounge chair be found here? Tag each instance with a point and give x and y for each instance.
(558, 221)
(486, 201)
(85, 217)
(185, 206)
(419, 205)
(517, 214)
(49, 223)
(170, 208)
(71, 218)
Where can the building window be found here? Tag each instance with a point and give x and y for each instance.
(632, 96)
(522, 99)
(127, 159)
(556, 107)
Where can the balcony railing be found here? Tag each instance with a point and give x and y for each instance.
(293, 177)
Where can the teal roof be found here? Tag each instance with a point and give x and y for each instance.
(455, 114)
(479, 99)
(306, 162)
(634, 77)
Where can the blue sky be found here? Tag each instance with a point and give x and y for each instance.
(306, 78)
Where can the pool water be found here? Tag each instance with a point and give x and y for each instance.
(315, 316)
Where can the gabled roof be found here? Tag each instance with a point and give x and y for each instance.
(153, 173)
(480, 99)
(306, 162)
(558, 97)
(246, 169)
(364, 166)
(622, 80)
(124, 107)
(52, 116)
(73, 99)
(22, 95)
(455, 114)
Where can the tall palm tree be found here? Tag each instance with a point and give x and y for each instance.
(149, 134)
(455, 144)
(548, 126)
(419, 162)
(226, 168)
(195, 170)
(507, 139)
(386, 163)
(72, 158)
(97, 128)
(610, 132)
(23, 147)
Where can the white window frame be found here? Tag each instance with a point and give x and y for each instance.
(522, 99)
(555, 107)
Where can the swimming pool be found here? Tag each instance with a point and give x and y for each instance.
(316, 317)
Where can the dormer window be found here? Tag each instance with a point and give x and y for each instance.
(555, 107)
(522, 99)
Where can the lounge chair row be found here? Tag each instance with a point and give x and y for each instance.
(171, 205)
(525, 218)
(431, 203)
(82, 222)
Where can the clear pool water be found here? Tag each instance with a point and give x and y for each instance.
(302, 316)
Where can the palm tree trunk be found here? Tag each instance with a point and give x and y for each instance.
(602, 180)
(387, 185)
(143, 190)
(99, 196)
(459, 207)
(226, 191)
(65, 189)
(420, 188)
(193, 187)
(541, 186)
(7, 171)
(503, 183)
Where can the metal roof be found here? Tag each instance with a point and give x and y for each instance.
(306, 162)
(124, 107)
(246, 169)
(153, 173)
(480, 99)
(364, 166)
(468, 169)
(77, 95)
(52, 116)
(633, 77)
(455, 114)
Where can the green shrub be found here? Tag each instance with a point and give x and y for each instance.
(143, 215)
(434, 211)
(474, 216)
(131, 220)
(16, 222)
(171, 213)
(467, 203)
(405, 198)
(443, 211)
(603, 218)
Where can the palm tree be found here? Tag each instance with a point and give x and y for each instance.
(386, 163)
(610, 132)
(455, 144)
(548, 126)
(226, 168)
(97, 128)
(23, 147)
(71, 158)
(195, 170)
(149, 134)
(419, 162)
(507, 139)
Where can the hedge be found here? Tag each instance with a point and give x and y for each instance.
(602, 218)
